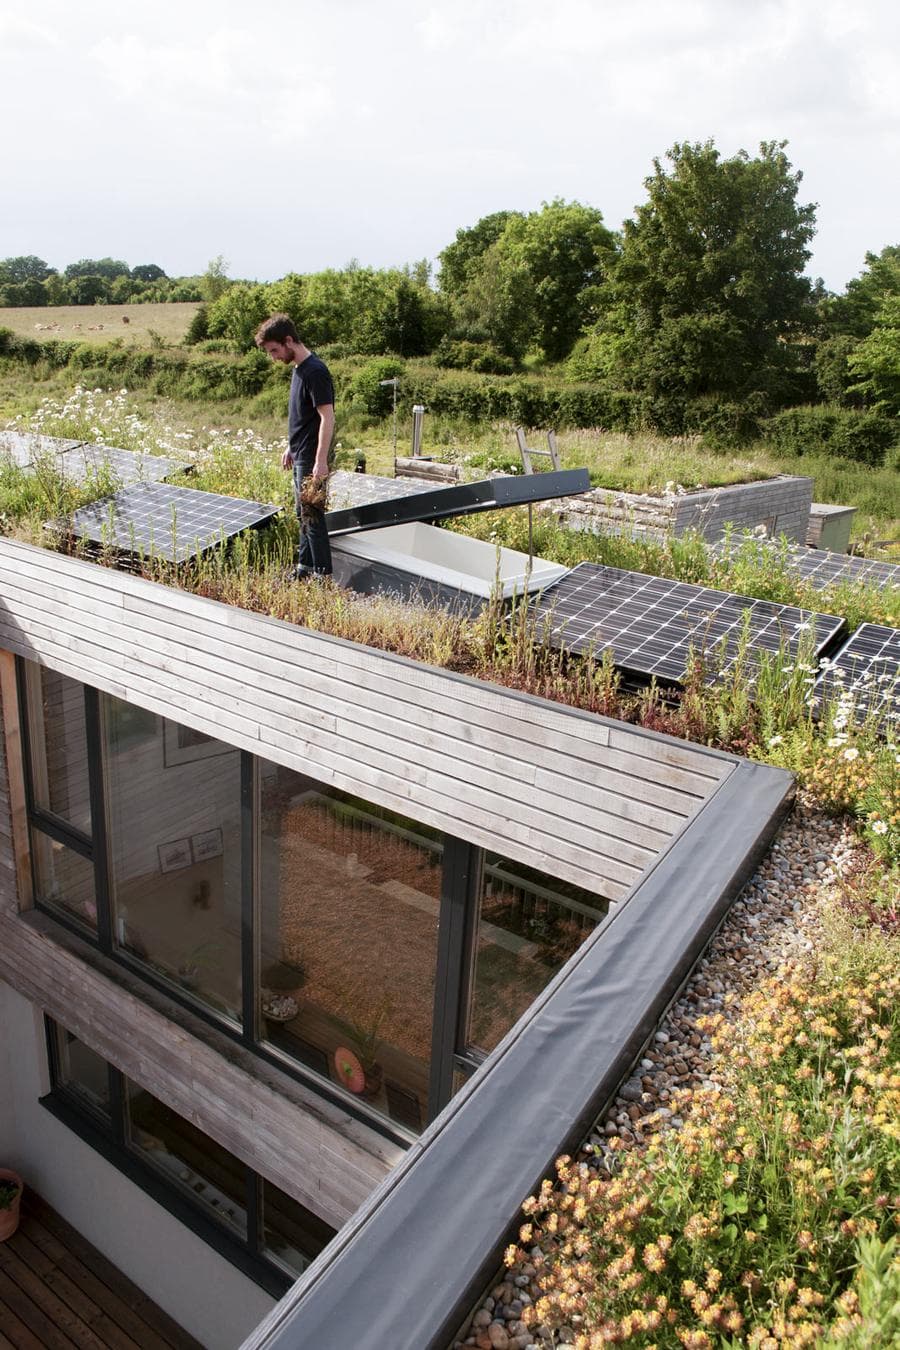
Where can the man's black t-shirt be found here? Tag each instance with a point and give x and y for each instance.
(311, 386)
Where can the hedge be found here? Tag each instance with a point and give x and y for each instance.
(852, 433)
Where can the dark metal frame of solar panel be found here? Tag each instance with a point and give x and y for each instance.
(488, 494)
(873, 651)
(92, 522)
(667, 658)
(408, 1268)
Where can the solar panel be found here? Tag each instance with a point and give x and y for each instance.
(819, 566)
(822, 568)
(127, 466)
(650, 624)
(169, 522)
(24, 448)
(868, 667)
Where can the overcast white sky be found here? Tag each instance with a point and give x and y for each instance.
(293, 136)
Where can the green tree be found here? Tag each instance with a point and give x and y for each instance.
(855, 312)
(87, 290)
(518, 281)
(460, 259)
(147, 272)
(109, 268)
(28, 267)
(238, 312)
(876, 360)
(567, 252)
(214, 281)
(497, 304)
(709, 291)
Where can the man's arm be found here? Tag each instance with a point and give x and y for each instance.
(326, 431)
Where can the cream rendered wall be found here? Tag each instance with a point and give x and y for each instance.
(208, 1296)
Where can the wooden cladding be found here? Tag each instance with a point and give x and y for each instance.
(590, 801)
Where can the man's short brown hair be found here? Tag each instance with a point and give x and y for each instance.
(276, 328)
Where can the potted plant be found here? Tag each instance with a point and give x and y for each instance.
(357, 1066)
(10, 1194)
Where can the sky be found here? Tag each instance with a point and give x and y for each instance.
(294, 136)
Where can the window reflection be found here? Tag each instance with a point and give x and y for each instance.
(529, 925)
(174, 811)
(63, 880)
(58, 740)
(188, 1158)
(292, 1234)
(350, 899)
(82, 1072)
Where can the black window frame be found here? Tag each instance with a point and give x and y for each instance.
(111, 1140)
(462, 879)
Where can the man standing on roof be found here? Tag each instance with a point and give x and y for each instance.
(310, 430)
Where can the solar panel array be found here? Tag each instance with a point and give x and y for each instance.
(77, 460)
(822, 568)
(25, 448)
(819, 566)
(126, 466)
(867, 667)
(651, 624)
(169, 522)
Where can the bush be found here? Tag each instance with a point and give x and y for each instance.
(477, 356)
(367, 390)
(198, 329)
(849, 432)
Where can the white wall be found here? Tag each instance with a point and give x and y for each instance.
(208, 1296)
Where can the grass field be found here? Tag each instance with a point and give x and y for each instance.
(100, 323)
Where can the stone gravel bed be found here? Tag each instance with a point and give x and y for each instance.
(774, 918)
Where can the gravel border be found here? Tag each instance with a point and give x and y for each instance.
(775, 917)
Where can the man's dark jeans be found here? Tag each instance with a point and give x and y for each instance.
(315, 550)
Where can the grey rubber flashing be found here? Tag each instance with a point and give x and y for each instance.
(410, 1265)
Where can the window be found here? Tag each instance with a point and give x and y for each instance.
(58, 742)
(529, 925)
(350, 899)
(173, 806)
(80, 1072)
(271, 1236)
(187, 1158)
(332, 936)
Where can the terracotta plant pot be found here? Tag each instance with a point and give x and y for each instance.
(9, 1217)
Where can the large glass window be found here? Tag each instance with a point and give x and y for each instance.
(529, 925)
(350, 902)
(209, 867)
(174, 825)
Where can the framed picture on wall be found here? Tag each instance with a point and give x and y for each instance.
(207, 844)
(174, 855)
(183, 745)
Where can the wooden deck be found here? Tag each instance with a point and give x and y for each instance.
(57, 1292)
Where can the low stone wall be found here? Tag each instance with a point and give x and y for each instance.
(780, 505)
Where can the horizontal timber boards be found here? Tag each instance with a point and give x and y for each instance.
(290, 1137)
(556, 789)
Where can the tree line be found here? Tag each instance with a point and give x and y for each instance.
(699, 306)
